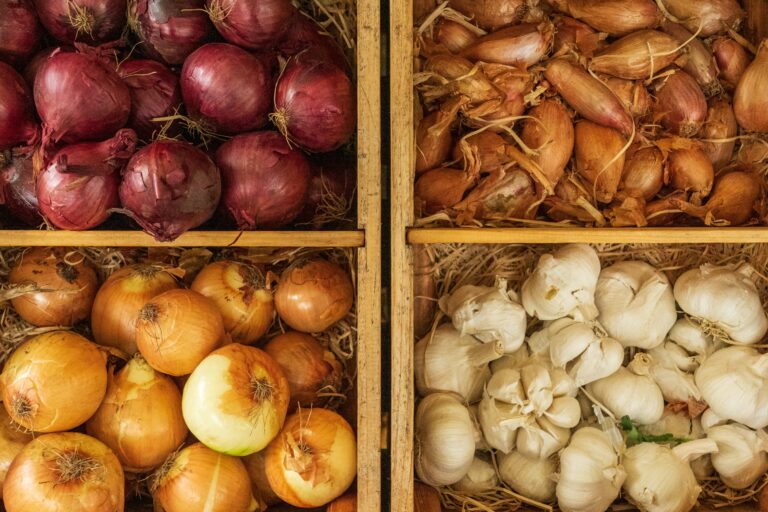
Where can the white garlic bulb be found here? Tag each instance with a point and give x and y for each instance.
(636, 304)
(480, 477)
(710, 419)
(676, 423)
(514, 360)
(691, 337)
(725, 297)
(734, 382)
(480, 444)
(444, 446)
(489, 313)
(447, 361)
(583, 349)
(529, 476)
(631, 392)
(591, 474)
(563, 284)
(669, 369)
(741, 458)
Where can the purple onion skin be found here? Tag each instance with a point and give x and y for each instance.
(169, 187)
(171, 29)
(253, 24)
(265, 180)
(35, 63)
(316, 101)
(155, 92)
(17, 120)
(79, 98)
(226, 89)
(78, 188)
(107, 19)
(305, 34)
(333, 174)
(20, 30)
(17, 188)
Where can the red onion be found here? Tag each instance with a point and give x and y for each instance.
(20, 31)
(17, 121)
(80, 98)
(226, 89)
(169, 187)
(254, 24)
(90, 21)
(331, 189)
(35, 63)
(315, 103)
(170, 29)
(17, 188)
(79, 187)
(265, 181)
(306, 33)
(155, 93)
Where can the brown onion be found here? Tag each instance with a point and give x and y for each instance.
(119, 300)
(599, 158)
(732, 59)
(632, 94)
(720, 125)
(750, 103)
(54, 381)
(571, 33)
(492, 14)
(505, 194)
(424, 290)
(13, 437)
(442, 188)
(255, 464)
(690, 170)
(514, 84)
(313, 459)
(176, 329)
(67, 471)
(639, 55)
(61, 284)
(734, 196)
(643, 173)
(520, 45)
(550, 132)
(433, 135)
(680, 104)
(313, 294)
(140, 417)
(197, 475)
(453, 35)
(700, 62)
(241, 295)
(616, 17)
(486, 147)
(309, 367)
(706, 17)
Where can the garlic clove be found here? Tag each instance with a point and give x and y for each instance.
(500, 422)
(710, 419)
(506, 385)
(742, 457)
(626, 393)
(541, 438)
(514, 360)
(564, 412)
(480, 477)
(601, 359)
(691, 337)
(669, 371)
(529, 476)
(538, 388)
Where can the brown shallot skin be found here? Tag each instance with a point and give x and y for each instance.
(442, 188)
(632, 94)
(680, 104)
(700, 62)
(572, 33)
(519, 45)
(492, 14)
(460, 77)
(504, 194)
(643, 173)
(720, 126)
(732, 60)
(599, 158)
(616, 17)
(486, 147)
(551, 134)
(636, 56)
(453, 35)
(690, 170)
(733, 198)
(750, 103)
(707, 17)
(433, 135)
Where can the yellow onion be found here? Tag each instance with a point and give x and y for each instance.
(119, 300)
(616, 17)
(236, 400)
(550, 132)
(140, 417)
(424, 290)
(643, 173)
(639, 55)
(309, 368)
(442, 188)
(177, 329)
(256, 465)
(453, 35)
(756, 29)
(314, 458)
(492, 14)
(486, 147)
(587, 95)
(707, 17)
(753, 151)
(198, 478)
(732, 60)
(13, 437)
(313, 294)
(750, 103)
(433, 135)
(680, 104)
(632, 94)
(571, 33)
(507, 194)
(54, 381)
(520, 45)
(240, 293)
(733, 198)
(690, 170)
(700, 63)
(61, 285)
(459, 77)
(66, 471)
(720, 125)
(599, 158)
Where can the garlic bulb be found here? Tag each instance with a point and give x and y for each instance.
(480, 444)
(583, 349)
(734, 382)
(631, 392)
(516, 359)
(480, 477)
(741, 458)
(563, 284)
(448, 361)
(676, 423)
(725, 297)
(591, 475)
(636, 304)
(709, 419)
(669, 369)
(489, 313)
(691, 337)
(445, 447)
(660, 479)
(529, 476)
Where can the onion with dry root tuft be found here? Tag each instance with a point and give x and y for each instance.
(599, 154)
(750, 103)
(13, 437)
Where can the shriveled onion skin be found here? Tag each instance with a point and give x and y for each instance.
(680, 104)
(632, 94)
(17, 189)
(155, 93)
(87, 21)
(720, 126)
(599, 158)
(20, 30)
(750, 103)
(492, 14)
(616, 17)
(17, 122)
(253, 24)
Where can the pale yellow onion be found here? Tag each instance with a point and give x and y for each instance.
(13, 437)
(236, 400)
(54, 381)
(140, 417)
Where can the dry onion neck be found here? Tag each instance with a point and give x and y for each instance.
(81, 19)
(23, 408)
(253, 280)
(67, 272)
(149, 312)
(262, 391)
(158, 478)
(311, 464)
(72, 465)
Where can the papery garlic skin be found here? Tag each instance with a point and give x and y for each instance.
(563, 284)
(489, 313)
(480, 477)
(677, 424)
(726, 297)
(691, 337)
(742, 457)
(669, 370)
(449, 362)
(734, 382)
(591, 474)
(636, 304)
(445, 447)
(529, 476)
